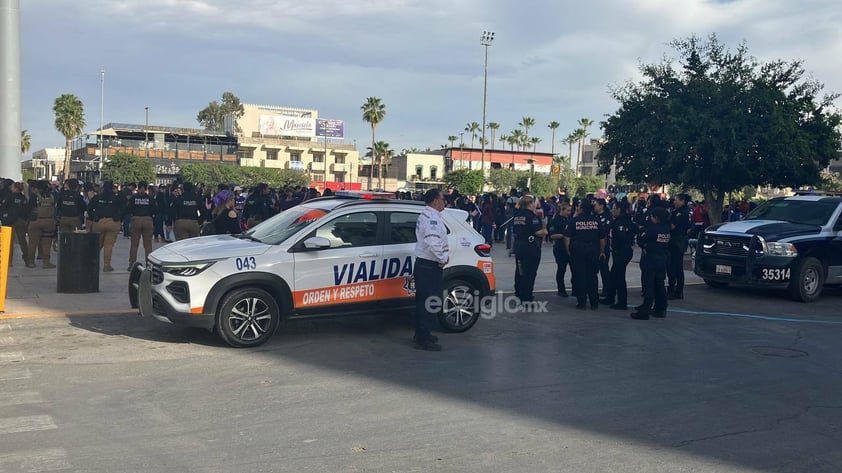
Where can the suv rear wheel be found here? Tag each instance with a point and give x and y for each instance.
(807, 280)
(247, 317)
(459, 309)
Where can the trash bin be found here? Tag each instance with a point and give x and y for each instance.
(78, 262)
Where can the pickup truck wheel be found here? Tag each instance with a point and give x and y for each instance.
(459, 312)
(247, 317)
(807, 280)
(716, 284)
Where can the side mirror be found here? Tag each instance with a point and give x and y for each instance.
(316, 243)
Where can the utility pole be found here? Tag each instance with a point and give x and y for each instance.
(10, 89)
(101, 119)
(485, 40)
(146, 132)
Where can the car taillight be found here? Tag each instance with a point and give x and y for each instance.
(483, 250)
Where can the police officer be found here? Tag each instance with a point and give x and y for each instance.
(623, 231)
(16, 215)
(600, 209)
(556, 229)
(185, 213)
(680, 226)
(142, 208)
(258, 206)
(431, 256)
(105, 211)
(655, 242)
(586, 246)
(70, 207)
(42, 225)
(529, 232)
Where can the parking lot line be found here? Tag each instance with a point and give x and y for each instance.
(755, 316)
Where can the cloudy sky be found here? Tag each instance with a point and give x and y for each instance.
(550, 60)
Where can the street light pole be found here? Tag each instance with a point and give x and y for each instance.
(485, 40)
(101, 119)
(146, 132)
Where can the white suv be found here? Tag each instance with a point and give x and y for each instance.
(328, 256)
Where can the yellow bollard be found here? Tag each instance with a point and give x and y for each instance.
(5, 259)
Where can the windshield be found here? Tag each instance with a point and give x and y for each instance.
(805, 212)
(285, 224)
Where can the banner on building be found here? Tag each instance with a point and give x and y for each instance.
(296, 165)
(279, 125)
(330, 128)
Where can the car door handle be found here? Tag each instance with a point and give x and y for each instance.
(368, 255)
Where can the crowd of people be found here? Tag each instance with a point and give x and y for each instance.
(38, 211)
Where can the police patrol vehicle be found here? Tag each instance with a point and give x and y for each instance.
(786, 242)
(342, 255)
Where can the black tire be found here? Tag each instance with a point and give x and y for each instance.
(806, 280)
(459, 312)
(247, 317)
(716, 284)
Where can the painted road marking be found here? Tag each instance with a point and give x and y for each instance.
(11, 357)
(15, 373)
(6, 341)
(20, 397)
(81, 313)
(756, 316)
(14, 425)
(35, 460)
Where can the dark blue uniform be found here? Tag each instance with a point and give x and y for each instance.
(527, 248)
(558, 226)
(587, 235)
(604, 270)
(680, 224)
(623, 232)
(655, 241)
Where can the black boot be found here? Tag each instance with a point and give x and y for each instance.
(675, 295)
(639, 315)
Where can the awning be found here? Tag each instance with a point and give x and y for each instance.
(105, 132)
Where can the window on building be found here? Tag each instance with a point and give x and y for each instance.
(587, 171)
(318, 176)
(272, 155)
(587, 157)
(339, 177)
(419, 171)
(295, 155)
(496, 166)
(340, 159)
(246, 154)
(318, 157)
(433, 171)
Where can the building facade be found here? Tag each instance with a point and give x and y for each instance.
(589, 165)
(472, 158)
(46, 163)
(285, 138)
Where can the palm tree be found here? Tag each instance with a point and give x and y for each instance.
(553, 126)
(527, 123)
(514, 140)
(70, 120)
(379, 153)
(534, 142)
(472, 128)
(517, 138)
(452, 139)
(584, 124)
(374, 111)
(571, 138)
(493, 126)
(25, 142)
(504, 138)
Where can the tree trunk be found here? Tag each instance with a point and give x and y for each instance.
(66, 173)
(371, 176)
(714, 202)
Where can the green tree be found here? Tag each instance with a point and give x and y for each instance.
(540, 184)
(582, 134)
(123, 167)
(452, 139)
(467, 181)
(584, 185)
(493, 126)
(374, 111)
(503, 179)
(569, 141)
(721, 121)
(504, 138)
(213, 116)
(534, 141)
(553, 126)
(517, 138)
(211, 173)
(472, 128)
(526, 123)
(383, 154)
(25, 142)
(70, 120)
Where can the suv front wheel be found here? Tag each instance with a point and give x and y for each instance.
(460, 308)
(247, 317)
(807, 280)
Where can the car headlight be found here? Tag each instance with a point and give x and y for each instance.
(774, 248)
(187, 269)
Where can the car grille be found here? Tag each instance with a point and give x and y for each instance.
(726, 245)
(157, 274)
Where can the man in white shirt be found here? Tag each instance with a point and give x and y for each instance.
(431, 255)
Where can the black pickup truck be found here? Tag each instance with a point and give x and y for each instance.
(786, 242)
